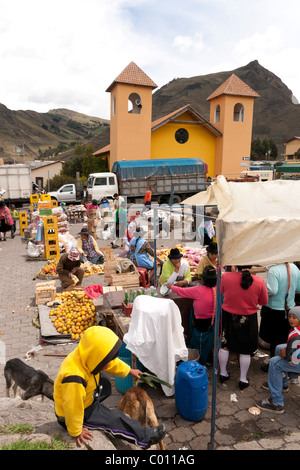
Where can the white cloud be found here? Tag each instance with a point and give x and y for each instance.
(266, 42)
(66, 54)
(187, 43)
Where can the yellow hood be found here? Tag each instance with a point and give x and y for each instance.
(98, 346)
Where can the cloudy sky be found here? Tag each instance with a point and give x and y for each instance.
(65, 53)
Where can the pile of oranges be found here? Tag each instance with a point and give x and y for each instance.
(49, 269)
(74, 315)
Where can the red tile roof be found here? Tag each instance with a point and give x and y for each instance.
(234, 86)
(102, 150)
(133, 75)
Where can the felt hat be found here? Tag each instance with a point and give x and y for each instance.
(84, 231)
(175, 254)
(74, 255)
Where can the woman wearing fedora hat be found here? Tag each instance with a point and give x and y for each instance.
(88, 248)
(175, 270)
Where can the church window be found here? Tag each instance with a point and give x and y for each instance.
(181, 136)
(238, 112)
(217, 113)
(134, 103)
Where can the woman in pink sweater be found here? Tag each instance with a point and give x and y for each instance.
(204, 311)
(6, 220)
(243, 293)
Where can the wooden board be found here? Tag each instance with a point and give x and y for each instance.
(125, 280)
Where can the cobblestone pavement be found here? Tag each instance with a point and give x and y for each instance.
(234, 426)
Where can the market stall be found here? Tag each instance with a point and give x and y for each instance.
(258, 224)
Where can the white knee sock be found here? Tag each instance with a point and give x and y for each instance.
(245, 360)
(223, 359)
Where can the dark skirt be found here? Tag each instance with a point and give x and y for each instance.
(274, 327)
(4, 227)
(240, 332)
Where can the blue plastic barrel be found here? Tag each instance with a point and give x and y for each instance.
(124, 384)
(191, 390)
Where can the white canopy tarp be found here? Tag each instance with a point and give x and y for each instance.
(258, 222)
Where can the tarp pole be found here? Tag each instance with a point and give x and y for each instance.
(155, 235)
(215, 360)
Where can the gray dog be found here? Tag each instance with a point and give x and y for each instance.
(33, 382)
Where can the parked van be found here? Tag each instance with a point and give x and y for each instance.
(102, 184)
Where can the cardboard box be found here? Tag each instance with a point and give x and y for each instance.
(45, 292)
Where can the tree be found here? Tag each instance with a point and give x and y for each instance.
(263, 150)
(88, 161)
(74, 165)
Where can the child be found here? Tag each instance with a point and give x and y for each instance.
(286, 361)
(80, 387)
(15, 215)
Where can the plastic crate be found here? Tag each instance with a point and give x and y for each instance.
(22, 215)
(34, 198)
(50, 222)
(45, 197)
(52, 253)
(50, 233)
(51, 244)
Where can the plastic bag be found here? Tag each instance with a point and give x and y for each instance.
(34, 251)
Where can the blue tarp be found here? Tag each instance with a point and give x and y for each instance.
(157, 167)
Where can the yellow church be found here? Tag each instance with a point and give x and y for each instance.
(223, 142)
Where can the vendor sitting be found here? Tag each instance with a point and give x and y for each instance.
(104, 203)
(88, 248)
(175, 270)
(141, 252)
(68, 267)
(210, 259)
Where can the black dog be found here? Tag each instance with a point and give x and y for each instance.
(33, 382)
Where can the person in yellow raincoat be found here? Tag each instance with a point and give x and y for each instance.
(80, 387)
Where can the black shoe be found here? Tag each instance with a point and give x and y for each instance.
(223, 378)
(265, 386)
(243, 385)
(159, 433)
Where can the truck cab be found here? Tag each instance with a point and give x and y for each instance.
(102, 184)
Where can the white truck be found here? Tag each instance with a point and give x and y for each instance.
(16, 181)
(67, 193)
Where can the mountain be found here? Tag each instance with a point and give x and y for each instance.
(276, 117)
(26, 134)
